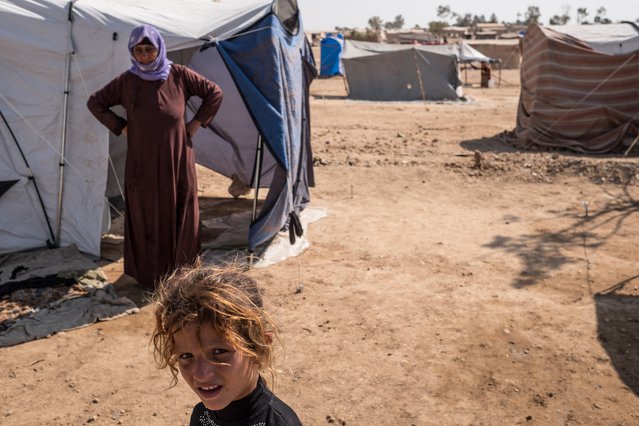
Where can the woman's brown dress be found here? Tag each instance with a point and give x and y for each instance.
(162, 214)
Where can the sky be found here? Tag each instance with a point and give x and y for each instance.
(322, 15)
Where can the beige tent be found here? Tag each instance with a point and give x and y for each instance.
(506, 50)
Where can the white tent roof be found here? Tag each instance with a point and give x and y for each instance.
(34, 41)
(462, 51)
(181, 23)
(616, 39)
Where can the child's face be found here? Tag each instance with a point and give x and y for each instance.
(216, 385)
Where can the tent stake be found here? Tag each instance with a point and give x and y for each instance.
(632, 145)
(256, 182)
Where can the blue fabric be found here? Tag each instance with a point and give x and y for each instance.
(270, 67)
(331, 56)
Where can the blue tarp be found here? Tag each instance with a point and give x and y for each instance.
(331, 49)
(272, 69)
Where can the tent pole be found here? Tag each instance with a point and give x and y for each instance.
(256, 182)
(52, 242)
(65, 111)
(345, 83)
(419, 78)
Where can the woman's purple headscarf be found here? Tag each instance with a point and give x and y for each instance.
(156, 70)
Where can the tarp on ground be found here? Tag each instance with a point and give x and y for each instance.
(574, 95)
(391, 72)
(43, 292)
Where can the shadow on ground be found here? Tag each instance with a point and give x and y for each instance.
(498, 144)
(495, 144)
(214, 207)
(330, 97)
(545, 252)
(618, 330)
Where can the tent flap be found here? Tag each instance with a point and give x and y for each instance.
(267, 66)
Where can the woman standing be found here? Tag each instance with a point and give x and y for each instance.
(161, 213)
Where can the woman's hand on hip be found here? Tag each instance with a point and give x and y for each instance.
(192, 127)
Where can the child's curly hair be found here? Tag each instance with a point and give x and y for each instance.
(224, 297)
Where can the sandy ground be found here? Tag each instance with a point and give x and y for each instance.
(455, 281)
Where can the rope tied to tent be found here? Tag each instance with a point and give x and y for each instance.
(44, 139)
(50, 243)
(419, 78)
(546, 131)
(211, 40)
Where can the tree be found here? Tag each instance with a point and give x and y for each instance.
(437, 27)
(600, 17)
(479, 19)
(493, 19)
(398, 23)
(563, 18)
(532, 15)
(465, 20)
(559, 20)
(443, 12)
(582, 13)
(375, 24)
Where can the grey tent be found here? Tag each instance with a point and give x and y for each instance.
(388, 72)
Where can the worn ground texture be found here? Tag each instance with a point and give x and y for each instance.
(455, 281)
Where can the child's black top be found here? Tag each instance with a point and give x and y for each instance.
(259, 408)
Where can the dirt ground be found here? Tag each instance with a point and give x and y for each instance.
(455, 281)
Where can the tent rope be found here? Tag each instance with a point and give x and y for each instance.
(31, 177)
(223, 38)
(44, 139)
(419, 78)
(546, 132)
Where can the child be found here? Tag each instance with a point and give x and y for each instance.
(211, 326)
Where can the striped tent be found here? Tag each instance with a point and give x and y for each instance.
(579, 93)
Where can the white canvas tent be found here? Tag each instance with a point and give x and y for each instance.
(53, 55)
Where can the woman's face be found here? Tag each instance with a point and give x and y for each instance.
(145, 53)
(216, 372)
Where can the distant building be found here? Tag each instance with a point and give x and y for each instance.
(456, 32)
(414, 36)
(315, 38)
